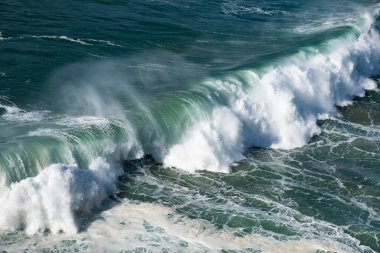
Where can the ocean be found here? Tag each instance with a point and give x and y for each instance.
(190, 126)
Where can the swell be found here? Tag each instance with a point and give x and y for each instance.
(61, 167)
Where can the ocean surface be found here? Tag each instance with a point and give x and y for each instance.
(190, 126)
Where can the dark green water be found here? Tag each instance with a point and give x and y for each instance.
(186, 126)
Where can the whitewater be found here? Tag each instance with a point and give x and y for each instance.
(61, 166)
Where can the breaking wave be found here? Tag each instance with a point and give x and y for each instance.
(50, 175)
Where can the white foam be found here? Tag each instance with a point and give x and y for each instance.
(215, 144)
(85, 121)
(61, 193)
(13, 113)
(85, 42)
(281, 105)
(105, 41)
(3, 37)
(3, 185)
(45, 132)
(53, 198)
(198, 235)
(148, 227)
(61, 37)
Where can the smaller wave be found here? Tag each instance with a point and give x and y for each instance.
(2, 37)
(62, 37)
(86, 42)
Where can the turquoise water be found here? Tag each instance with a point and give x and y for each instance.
(185, 126)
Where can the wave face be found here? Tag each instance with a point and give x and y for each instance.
(193, 94)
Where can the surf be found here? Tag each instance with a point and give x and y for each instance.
(63, 166)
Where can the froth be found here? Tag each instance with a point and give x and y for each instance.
(215, 144)
(53, 198)
(153, 228)
(13, 113)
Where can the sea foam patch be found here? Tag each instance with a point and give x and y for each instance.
(152, 228)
